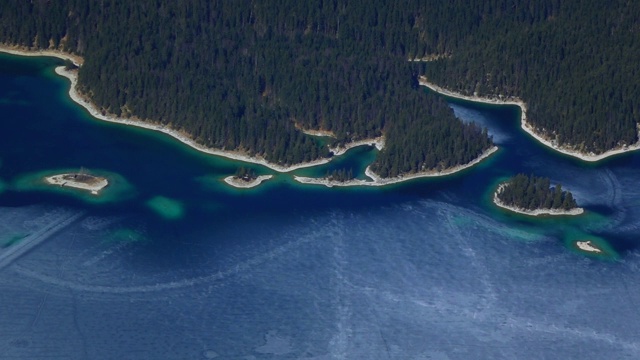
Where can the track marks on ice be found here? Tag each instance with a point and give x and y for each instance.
(59, 222)
(219, 278)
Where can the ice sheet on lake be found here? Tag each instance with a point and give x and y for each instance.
(410, 281)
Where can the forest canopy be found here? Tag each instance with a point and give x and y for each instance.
(534, 193)
(248, 75)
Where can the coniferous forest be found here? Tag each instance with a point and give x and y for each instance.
(249, 75)
(532, 193)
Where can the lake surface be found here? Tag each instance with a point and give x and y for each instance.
(171, 263)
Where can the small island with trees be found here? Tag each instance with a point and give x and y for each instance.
(246, 178)
(532, 195)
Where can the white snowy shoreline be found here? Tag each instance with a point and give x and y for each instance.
(537, 212)
(239, 183)
(379, 181)
(591, 157)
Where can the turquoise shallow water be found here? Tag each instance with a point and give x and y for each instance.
(172, 263)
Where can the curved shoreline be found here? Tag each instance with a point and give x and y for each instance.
(377, 142)
(537, 212)
(22, 51)
(241, 184)
(78, 98)
(376, 180)
(528, 128)
(182, 137)
(97, 113)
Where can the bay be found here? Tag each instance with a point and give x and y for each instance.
(172, 263)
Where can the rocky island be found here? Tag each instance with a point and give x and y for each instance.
(531, 195)
(587, 246)
(79, 180)
(246, 178)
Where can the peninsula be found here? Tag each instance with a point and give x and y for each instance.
(468, 159)
(79, 180)
(534, 196)
(280, 77)
(528, 128)
(261, 97)
(377, 180)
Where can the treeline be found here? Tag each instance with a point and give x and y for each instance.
(573, 63)
(531, 193)
(431, 145)
(246, 75)
(240, 75)
(246, 174)
(341, 175)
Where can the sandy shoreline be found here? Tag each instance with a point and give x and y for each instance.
(528, 128)
(60, 180)
(537, 212)
(239, 183)
(317, 133)
(377, 142)
(234, 155)
(22, 51)
(376, 180)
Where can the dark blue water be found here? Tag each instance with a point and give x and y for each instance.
(171, 263)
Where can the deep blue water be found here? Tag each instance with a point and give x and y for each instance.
(428, 269)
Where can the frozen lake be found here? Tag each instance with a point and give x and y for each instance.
(424, 270)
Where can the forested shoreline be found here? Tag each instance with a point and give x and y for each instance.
(247, 75)
(572, 63)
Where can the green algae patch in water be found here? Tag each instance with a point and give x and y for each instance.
(519, 234)
(590, 245)
(167, 208)
(126, 235)
(11, 239)
(522, 233)
(118, 188)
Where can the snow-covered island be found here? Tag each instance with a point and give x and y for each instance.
(79, 180)
(587, 246)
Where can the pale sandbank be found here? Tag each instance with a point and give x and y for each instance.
(244, 184)
(430, 58)
(536, 212)
(377, 142)
(376, 180)
(587, 246)
(528, 128)
(87, 182)
(317, 133)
